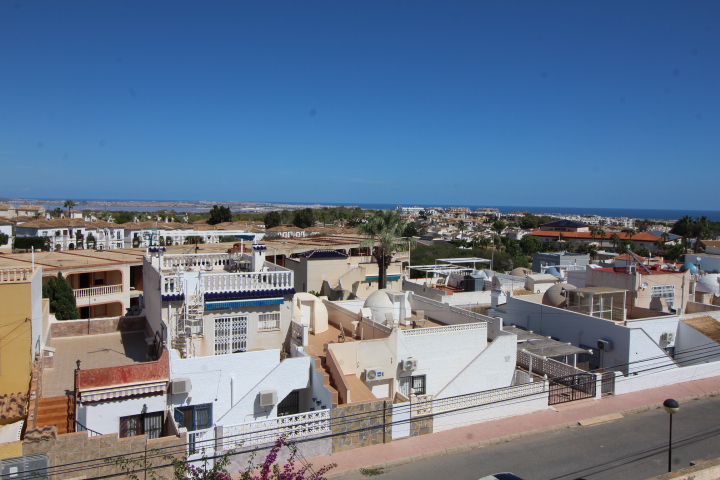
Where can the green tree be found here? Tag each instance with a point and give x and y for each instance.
(62, 298)
(684, 228)
(57, 212)
(498, 226)
(701, 228)
(615, 239)
(26, 243)
(272, 219)
(384, 229)
(530, 245)
(91, 242)
(304, 218)
(69, 204)
(4, 238)
(219, 214)
(528, 221)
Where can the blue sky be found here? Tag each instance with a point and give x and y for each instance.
(607, 104)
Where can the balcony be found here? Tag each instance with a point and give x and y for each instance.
(206, 261)
(249, 282)
(96, 291)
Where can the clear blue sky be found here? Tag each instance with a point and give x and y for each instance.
(608, 104)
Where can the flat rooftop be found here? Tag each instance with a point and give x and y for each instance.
(71, 259)
(541, 345)
(94, 351)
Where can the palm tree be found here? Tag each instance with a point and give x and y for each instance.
(615, 239)
(57, 212)
(69, 204)
(384, 229)
(701, 227)
(683, 227)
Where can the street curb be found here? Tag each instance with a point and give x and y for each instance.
(509, 438)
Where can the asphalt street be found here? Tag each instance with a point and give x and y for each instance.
(634, 448)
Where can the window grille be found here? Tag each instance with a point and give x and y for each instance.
(269, 321)
(230, 335)
(417, 382)
(663, 291)
(149, 423)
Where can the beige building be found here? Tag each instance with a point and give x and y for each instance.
(656, 287)
(340, 276)
(105, 283)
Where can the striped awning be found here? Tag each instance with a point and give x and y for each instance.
(121, 391)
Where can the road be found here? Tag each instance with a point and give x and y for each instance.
(632, 448)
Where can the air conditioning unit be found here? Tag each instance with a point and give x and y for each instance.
(268, 398)
(410, 364)
(668, 337)
(180, 385)
(373, 374)
(605, 346)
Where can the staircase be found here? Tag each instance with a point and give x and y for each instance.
(188, 322)
(58, 411)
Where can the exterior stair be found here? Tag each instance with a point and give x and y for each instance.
(59, 411)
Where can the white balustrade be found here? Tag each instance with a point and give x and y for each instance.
(235, 282)
(170, 262)
(447, 328)
(95, 291)
(267, 431)
(15, 274)
(171, 284)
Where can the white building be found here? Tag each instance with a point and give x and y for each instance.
(227, 319)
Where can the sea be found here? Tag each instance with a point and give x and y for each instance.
(638, 213)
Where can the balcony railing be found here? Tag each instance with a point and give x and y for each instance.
(15, 274)
(170, 262)
(267, 431)
(235, 282)
(96, 291)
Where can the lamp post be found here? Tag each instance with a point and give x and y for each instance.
(671, 406)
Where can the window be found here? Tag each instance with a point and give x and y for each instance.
(269, 321)
(417, 382)
(148, 423)
(290, 404)
(663, 291)
(196, 417)
(230, 335)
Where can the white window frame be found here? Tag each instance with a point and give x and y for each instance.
(663, 291)
(268, 322)
(231, 334)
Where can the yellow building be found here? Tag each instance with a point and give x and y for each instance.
(20, 326)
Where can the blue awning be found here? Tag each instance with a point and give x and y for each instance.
(243, 303)
(375, 278)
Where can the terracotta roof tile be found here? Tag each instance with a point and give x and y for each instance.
(706, 325)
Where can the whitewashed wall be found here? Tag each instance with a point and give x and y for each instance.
(492, 368)
(104, 417)
(232, 382)
(152, 297)
(692, 347)
(442, 356)
(487, 413)
(663, 377)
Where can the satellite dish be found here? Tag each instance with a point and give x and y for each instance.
(644, 285)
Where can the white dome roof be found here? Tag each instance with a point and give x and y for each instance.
(709, 283)
(379, 299)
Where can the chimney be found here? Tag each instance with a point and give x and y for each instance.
(258, 256)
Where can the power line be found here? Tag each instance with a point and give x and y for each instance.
(226, 440)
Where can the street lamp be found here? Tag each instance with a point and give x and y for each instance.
(671, 406)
